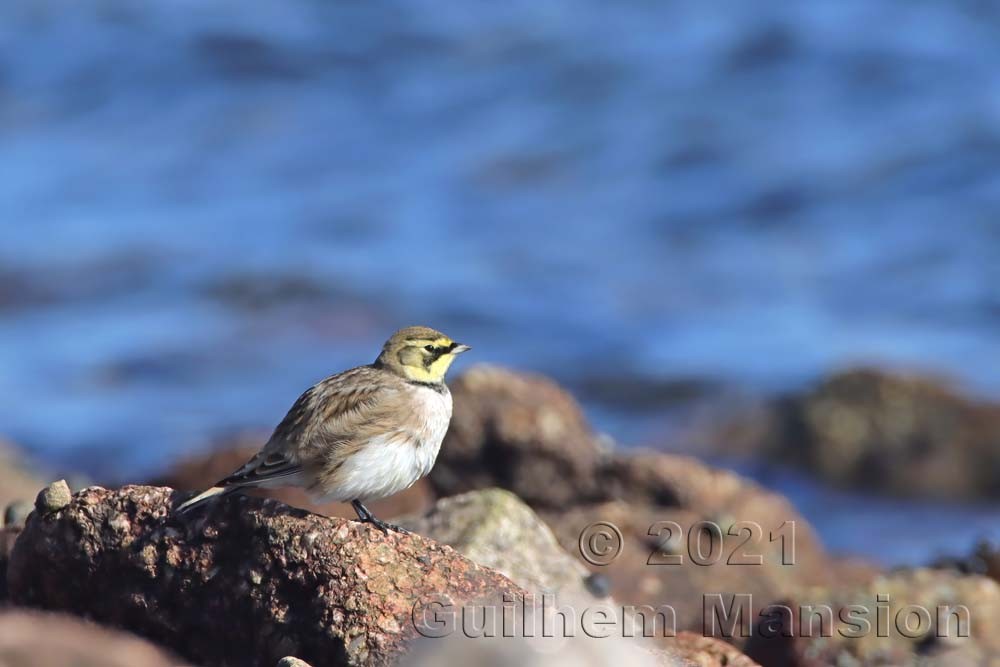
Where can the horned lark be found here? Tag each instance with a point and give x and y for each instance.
(363, 434)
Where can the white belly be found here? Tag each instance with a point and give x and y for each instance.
(389, 463)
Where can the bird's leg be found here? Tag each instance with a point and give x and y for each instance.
(365, 516)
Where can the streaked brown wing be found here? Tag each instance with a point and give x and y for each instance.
(261, 469)
(336, 404)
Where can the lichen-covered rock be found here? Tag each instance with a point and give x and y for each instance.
(53, 497)
(521, 432)
(493, 527)
(33, 639)
(246, 582)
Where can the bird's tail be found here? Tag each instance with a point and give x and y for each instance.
(204, 497)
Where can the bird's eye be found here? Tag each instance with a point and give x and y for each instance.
(429, 348)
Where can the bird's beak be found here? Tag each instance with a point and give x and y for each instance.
(459, 349)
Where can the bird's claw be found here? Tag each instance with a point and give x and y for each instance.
(387, 527)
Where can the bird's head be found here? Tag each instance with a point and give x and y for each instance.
(420, 354)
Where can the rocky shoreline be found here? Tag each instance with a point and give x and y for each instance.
(526, 506)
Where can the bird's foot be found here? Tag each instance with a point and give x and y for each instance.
(365, 515)
(386, 527)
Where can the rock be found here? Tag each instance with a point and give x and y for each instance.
(787, 643)
(984, 559)
(700, 651)
(520, 432)
(579, 650)
(289, 661)
(496, 529)
(905, 435)
(32, 639)
(272, 580)
(53, 497)
(712, 532)
(8, 535)
(638, 491)
(887, 604)
(202, 471)
(525, 434)
(686, 650)
(17, 482)
(598, 585)
(16, 513)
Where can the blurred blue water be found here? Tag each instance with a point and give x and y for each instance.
(887, 531)
(207, 207)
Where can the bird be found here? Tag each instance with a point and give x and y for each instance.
(362, 434)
